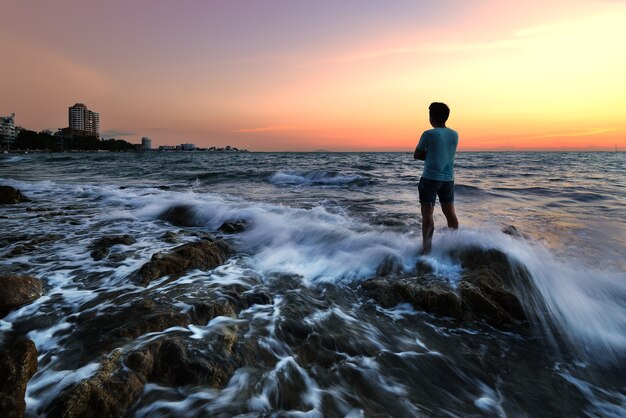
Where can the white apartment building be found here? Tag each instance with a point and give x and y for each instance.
(83, 119)
(7, 129)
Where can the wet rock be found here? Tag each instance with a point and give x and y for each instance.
(490, 288)
(16, 291)
(18, 362)
(33, 244)
(120, 380)
(393, 222)
(432, 296)
(233, 227)
(108, 393)
(257, 297)
(170, 237)
(104, 330)
(390, 265)
(10, 195)
(205, 254)
(99, 253)
(175, 365)
(203, 312)
(230, 303)
(180, 215)
(100, 248)
(513, 231)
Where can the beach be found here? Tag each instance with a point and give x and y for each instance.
(267, 301)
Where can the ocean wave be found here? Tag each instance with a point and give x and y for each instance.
(318, 178)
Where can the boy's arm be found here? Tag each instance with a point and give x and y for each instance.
(420, 150)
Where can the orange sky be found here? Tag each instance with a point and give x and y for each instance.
(295, 75)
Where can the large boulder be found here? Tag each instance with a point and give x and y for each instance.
(18, 362)
(100, 332)
(100, 248)
(16, 291)
(491, 288)
(106, 394)
(10, 195)
(180, 215)
(205, 254)
(120, 380)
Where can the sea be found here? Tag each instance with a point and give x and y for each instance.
(317, 226)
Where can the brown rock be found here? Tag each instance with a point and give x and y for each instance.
(108, 393)
(180, 215)
(10, 195)
(513, 231)
(18, 362)
(33, 244)
(99, 332)
(233, 227)
(119, 381)
(175, 365)
(100, 247)
(490, 288)
(16, 291)
(170, 237)
(204, 255)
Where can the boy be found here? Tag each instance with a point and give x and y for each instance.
(436, 148)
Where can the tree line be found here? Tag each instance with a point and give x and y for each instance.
(32, 140)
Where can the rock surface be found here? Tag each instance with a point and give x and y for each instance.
(106, 394)
(233, 227)
(100, 248)
(10, 195)
(16, 291)
(120, 380)
(170, 237)
(180, 215)
(205, 254)
(488, 289)
(513, 231)
(18, 362)
(33, 244)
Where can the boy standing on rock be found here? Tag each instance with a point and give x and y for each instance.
(436, 148)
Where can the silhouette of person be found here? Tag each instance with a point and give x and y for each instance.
(437, 148)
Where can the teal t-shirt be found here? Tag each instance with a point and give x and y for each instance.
(440, 146)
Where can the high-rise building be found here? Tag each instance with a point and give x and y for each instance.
(7, 130)
(84, 120)
(146, 143)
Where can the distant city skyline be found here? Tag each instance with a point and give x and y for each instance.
(343, 76)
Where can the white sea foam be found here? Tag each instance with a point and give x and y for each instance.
(313, 178)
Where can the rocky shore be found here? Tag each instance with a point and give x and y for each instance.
(492, 289)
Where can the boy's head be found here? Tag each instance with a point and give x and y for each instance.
(439, 113)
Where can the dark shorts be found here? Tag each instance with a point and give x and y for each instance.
(430, 189)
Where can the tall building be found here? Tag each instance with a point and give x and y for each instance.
(7, 130)
(84, 120)
(146, 143)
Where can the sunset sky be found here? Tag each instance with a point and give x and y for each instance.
(296, 75)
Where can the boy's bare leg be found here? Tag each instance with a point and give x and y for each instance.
(428, 227)
(450, 214)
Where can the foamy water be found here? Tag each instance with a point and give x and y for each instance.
(316, 227)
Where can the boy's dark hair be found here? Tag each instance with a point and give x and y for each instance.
(439, 112)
